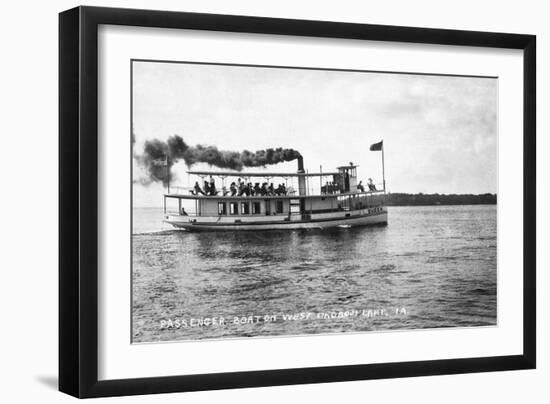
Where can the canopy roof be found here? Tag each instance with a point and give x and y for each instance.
(245, 174)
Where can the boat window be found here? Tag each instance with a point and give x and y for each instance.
(256, 210)
(233, 208)
(222, 210)
(245, 208)
(279, 207)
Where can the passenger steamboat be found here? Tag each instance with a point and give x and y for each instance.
(340, 202)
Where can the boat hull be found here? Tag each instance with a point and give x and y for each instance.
(365, 217)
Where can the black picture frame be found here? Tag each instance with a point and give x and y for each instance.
(78, 201)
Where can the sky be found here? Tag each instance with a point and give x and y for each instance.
(439, 132)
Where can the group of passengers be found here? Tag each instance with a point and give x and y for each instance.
(370, 184)
(331, 187)
(247, 189)
(334, 187)
(209, 188)
(240, 188)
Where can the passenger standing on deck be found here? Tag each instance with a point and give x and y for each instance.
(240, 186)
(346, 181)
(360, 186)
(212, 186)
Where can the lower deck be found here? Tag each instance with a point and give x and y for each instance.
(275, 212)
(342, 218)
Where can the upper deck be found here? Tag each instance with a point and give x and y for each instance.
(303, 185)
(262, 197)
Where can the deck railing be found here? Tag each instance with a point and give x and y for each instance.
(180, 190)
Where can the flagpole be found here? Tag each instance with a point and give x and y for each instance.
(320, 179)
(168, 172)
(383, 171)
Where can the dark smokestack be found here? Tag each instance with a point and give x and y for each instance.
(175, 149)
(301, 164)
(301, 182)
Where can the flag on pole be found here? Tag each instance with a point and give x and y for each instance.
(376, 146)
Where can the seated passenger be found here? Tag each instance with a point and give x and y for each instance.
(240, 187)
(271, 189)
(213, 190)
(206, 188)
(264, 190)
(197, 189)
(224, 191)
(233, 189)
(360, 186)
(257, 190)
(183, 212)
(371, 185)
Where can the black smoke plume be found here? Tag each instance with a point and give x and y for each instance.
(158, 157)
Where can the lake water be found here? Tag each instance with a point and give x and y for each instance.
(430, 267)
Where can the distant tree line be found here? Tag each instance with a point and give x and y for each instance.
(400, 199)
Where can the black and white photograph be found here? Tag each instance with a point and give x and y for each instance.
(277, 201)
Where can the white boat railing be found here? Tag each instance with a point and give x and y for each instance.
(181, 190)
